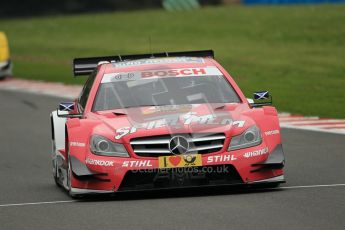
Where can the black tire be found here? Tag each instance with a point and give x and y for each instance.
(272, 185)
(54, 166)
(56, 179)
(69, 175)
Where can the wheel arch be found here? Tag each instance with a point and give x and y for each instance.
(58, 130)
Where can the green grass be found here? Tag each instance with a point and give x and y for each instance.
(296, 52)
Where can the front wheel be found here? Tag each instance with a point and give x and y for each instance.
(268, 185)
(69, 180)
(55, 165)
(56, 179)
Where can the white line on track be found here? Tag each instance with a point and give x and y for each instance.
(37, 203)
(312, 186)
(73, 201)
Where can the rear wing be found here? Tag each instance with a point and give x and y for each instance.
(85, 66)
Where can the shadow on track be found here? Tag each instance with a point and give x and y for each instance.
(177, 193)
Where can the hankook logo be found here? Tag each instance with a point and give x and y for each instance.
(178, 145)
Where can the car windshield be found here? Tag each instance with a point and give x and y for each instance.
(164, 91)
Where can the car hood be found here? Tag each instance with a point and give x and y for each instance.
(231, 119)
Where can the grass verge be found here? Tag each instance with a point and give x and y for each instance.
(295, 52)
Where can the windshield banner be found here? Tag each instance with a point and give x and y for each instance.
(185, 72)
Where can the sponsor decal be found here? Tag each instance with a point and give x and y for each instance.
(159, 61)
(187, 119)
(124, 131)
(181, 72)
(137, 163)
(128, 76)
(180, 161)
(167, 109)
(272, 132)
(76, 144)
(173, 72)
(256, 153)
(167, 60)
(116, 77)
(221, 158)
(99, 162)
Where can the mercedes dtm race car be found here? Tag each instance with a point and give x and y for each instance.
(163, 120)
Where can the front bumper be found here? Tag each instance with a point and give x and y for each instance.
(241, 167)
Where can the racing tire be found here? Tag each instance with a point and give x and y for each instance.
(56, 179)
(55, 167)
(69, 176)
(272, 185)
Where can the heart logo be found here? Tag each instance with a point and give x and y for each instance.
(175, 160)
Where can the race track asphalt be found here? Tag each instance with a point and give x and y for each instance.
(312, 158)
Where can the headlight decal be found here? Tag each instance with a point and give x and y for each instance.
(249, 138)
(104, 147)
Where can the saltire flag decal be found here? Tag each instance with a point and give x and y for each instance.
(261, 95)
(66, 106)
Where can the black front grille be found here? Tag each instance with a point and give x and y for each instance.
(155, 146)
(180, 177)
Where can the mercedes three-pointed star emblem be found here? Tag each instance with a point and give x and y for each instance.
(178, 145)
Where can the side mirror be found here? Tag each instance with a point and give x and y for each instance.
(261, 98)
(67, 109)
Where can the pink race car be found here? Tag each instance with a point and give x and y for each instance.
(163, 120)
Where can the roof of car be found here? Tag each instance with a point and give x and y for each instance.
(158, 63)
